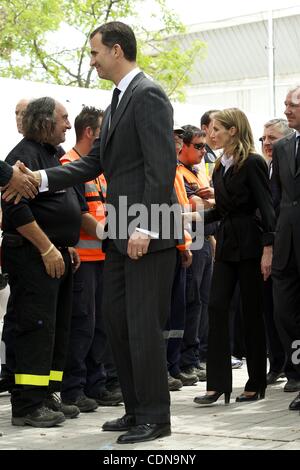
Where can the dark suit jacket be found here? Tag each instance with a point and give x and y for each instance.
(136, 153)
(286, 184)
(238, 194)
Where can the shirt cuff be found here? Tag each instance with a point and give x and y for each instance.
(147, 232)
(44, 186)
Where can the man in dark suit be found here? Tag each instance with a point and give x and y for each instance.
(138, 159)
(286, 261)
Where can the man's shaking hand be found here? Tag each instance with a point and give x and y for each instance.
(23, 183)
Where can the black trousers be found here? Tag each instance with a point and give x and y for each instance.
(225, 277)
(136, 304)
(175, 324)
(42, 309)
(236, 326)
(276, 351)
(88, 345)
(286, 290)
(8, 338)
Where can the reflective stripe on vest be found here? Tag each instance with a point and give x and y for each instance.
(90, 244)
(91, 188)
(90, 248)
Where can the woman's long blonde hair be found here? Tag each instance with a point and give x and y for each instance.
(242, 143)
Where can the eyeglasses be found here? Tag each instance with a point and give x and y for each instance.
(198, 146)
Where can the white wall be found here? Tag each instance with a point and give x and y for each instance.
(72, 98)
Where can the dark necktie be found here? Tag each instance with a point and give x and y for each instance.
(298, 154)
(114, 102)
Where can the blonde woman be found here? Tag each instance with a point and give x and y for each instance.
(243, 254)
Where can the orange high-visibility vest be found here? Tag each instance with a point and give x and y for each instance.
(90, 248)
(183, 201)
(200, 179)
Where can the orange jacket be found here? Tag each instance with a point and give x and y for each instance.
(183, 201)
(201, 180)
(90, 248)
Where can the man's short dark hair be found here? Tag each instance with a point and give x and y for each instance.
(206, 117)
(88, 117)
(39, 119)
(190, 132)
(116, 32)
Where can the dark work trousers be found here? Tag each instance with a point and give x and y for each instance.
(198, 280)
(8, 363)
(225, 277)
(136, 304)
(42, 309)
(84, 371)
(175, 325)
(286, 290)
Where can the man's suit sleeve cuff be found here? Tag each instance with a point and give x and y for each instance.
(44, 186)
(268, 238)
(147, 232)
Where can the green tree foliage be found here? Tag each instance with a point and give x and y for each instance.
(48, 40)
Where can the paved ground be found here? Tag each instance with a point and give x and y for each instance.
(265, 424)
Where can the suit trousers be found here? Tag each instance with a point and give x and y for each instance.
(236, 326)
(225, 277)
(286, 290)
(136, 305)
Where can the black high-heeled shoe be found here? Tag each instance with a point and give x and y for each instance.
(209, 399)
(260, 395)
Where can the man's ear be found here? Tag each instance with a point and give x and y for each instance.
(118, 51)
(89, 132)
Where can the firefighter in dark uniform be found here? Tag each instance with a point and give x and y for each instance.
(36, 237)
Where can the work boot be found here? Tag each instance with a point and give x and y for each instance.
(40, 418)
(82, 402)
(200, 373)
(186, 379)
(174, 384)
(53, 402)
(107, 398)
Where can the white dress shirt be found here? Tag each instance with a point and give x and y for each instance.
(227, 162)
